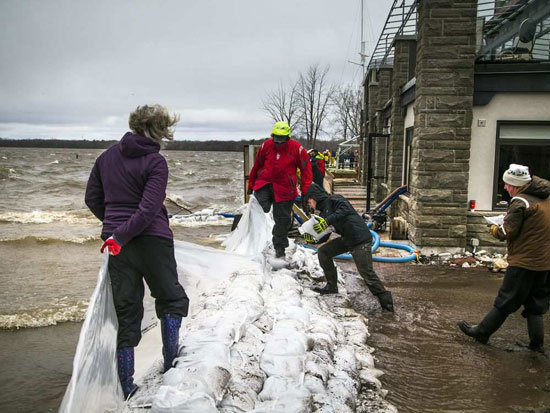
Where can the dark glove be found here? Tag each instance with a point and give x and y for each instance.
(250, 191)
(308, 238)
(321, 225)
(305, 207)
(112, 245)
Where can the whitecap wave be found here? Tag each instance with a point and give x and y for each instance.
(197, 220)
(47, 217)
(60, 311)
(49, 240)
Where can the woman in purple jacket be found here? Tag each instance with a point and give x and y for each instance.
(126, 191)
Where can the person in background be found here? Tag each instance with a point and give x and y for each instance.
(317, 166)
(355, 237)
(274, 183)
(126, 191)
(526, 230)
(352, 159)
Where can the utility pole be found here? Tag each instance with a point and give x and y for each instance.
(362, 52)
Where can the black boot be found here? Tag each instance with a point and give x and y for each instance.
(386, 301)
(327, 289)
(491, 323)
(535, 327)
(279, 252)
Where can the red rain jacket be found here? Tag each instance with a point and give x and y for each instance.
(277, 164)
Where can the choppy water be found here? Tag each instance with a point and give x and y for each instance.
(49, 240)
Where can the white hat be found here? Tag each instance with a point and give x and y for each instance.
(516, 175)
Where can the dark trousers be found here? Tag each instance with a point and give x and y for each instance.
(524, 287)
(150, 258)
(362, 256)
(281, 214)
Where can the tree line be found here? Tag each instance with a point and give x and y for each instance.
(313, 107)
(183, 145)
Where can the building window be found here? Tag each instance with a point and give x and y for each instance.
(524, 143)
(407, 156)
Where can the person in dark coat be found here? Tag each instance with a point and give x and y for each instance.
(126, 191)
(526, 230)
(317, 166)
(355, 237)
(274, 183)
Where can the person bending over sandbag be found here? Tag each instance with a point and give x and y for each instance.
(126, 191)
(526, 230)
(355, 237)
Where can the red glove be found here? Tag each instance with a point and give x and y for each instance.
(113, 246)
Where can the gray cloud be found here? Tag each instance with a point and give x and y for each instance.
(73, 69)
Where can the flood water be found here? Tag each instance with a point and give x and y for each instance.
(429, 365)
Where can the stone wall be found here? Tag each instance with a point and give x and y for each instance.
(477, 228)
(380, 143)
(442, 124)
(400, 77)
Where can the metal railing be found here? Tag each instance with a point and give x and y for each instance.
(498, 28)
(498, 23)
(402, 20)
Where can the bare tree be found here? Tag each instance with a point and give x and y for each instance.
(315, 96)
(282, 105)
(347, 112)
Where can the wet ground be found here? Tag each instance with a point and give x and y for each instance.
(430, 365)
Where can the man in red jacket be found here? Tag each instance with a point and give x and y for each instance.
(273, 180)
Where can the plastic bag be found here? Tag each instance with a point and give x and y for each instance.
(307, 227)
(94, 385)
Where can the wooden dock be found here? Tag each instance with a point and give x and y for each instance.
(347, 185)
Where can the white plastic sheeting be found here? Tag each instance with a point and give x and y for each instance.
(94, 384)
(256, 340)
(253, 234)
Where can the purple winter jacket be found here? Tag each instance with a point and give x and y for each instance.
(127, 187)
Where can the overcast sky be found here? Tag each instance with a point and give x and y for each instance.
(75, 69)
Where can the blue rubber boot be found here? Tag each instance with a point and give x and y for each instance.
(170, 329)
(125, 362)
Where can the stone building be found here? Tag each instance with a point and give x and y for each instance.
(455, 91)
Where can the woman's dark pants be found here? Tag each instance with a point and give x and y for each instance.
(150, 258)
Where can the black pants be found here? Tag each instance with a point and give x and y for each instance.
(281, 214)
(362, 256)
(150, 258)
(524, 287)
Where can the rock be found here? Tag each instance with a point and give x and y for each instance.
(464, 260)
(500, 264)
(482, 252)
(465, 265)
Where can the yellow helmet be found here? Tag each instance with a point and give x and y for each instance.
(280, 131)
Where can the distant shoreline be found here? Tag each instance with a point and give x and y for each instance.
(212, 145)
